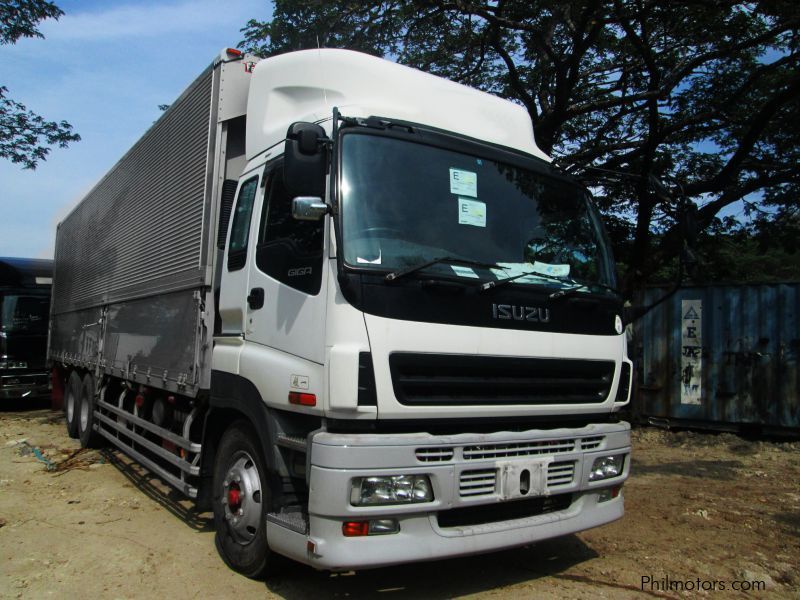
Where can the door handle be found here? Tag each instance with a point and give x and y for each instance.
(255, 299)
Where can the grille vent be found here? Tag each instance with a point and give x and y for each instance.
(480, 482)
(592, 443)
(434, 454)
(560, 473)
(489, 451)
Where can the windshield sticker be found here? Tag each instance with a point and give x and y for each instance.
(463, 183)
(552, 270)
(366, 261)
(464, 272)
(471, 212)
(513, 270)
(518, 269)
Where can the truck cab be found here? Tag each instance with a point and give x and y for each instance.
(24, 316)
(424, 311)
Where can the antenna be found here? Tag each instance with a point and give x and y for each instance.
(322, 75)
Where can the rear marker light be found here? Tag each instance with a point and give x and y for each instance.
(233, 52)
(302, 399)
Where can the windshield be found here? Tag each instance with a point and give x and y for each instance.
(404, 203)
(24, 314)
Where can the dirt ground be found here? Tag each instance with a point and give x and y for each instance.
(701, 509)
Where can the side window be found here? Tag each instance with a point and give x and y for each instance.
(289, 250)
(240, 231)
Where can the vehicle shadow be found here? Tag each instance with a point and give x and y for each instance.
(435, 579)
(24, 404)
(723, 470)
(151, 485)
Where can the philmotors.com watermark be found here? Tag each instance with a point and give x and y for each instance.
(671, 584)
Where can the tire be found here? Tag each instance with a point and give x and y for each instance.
(72, 398)
(86, 433)
(241, 507)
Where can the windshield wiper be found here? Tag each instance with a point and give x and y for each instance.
(581, 286)
(494, 284)
(395, 275)
(555, 295)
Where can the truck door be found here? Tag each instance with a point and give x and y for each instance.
(232, 308)
(286, 299)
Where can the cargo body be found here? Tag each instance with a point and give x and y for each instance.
(362, 328)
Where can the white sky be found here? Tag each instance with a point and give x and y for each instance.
(104, 67)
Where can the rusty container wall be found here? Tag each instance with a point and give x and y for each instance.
(720, 356)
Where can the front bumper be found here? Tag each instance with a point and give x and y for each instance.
(24, 385)
(477, 471)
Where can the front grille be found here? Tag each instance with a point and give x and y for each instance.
(455, 380)
(483, 482)
(502, 511)
(25, 379)
(480, 482)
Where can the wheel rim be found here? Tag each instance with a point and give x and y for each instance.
(84, 414)
(242, 497)
(70, 406)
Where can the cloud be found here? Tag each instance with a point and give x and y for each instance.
(148, 20)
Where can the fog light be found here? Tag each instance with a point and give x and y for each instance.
(606, 467)
(391, 489)
(374, 527)
(383, 526)
(607, 494)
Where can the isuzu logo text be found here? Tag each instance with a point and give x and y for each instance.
(521, 313)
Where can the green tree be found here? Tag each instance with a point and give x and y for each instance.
(24, 135)
(702, 94)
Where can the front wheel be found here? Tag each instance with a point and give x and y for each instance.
(241, 500)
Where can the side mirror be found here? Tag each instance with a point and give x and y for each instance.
(309, 208)
(305, 159)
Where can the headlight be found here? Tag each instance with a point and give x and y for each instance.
(13, 364)
(390, 489)
(606, 467)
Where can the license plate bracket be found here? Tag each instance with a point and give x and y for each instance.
(523, 478)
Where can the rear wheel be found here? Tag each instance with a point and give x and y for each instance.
(72, 400)
(241, 501)
(89, 438)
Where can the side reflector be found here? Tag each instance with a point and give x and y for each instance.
(233, 52)
(302, 399)
(355, 528)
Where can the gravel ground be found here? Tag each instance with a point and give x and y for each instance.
(701, 509)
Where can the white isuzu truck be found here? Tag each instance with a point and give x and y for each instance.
(353, 309)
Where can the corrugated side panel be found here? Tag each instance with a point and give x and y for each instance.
(75, 337)
(750, 341)
(154, 338)
(139, 231)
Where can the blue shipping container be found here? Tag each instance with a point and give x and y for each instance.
(720, 356)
